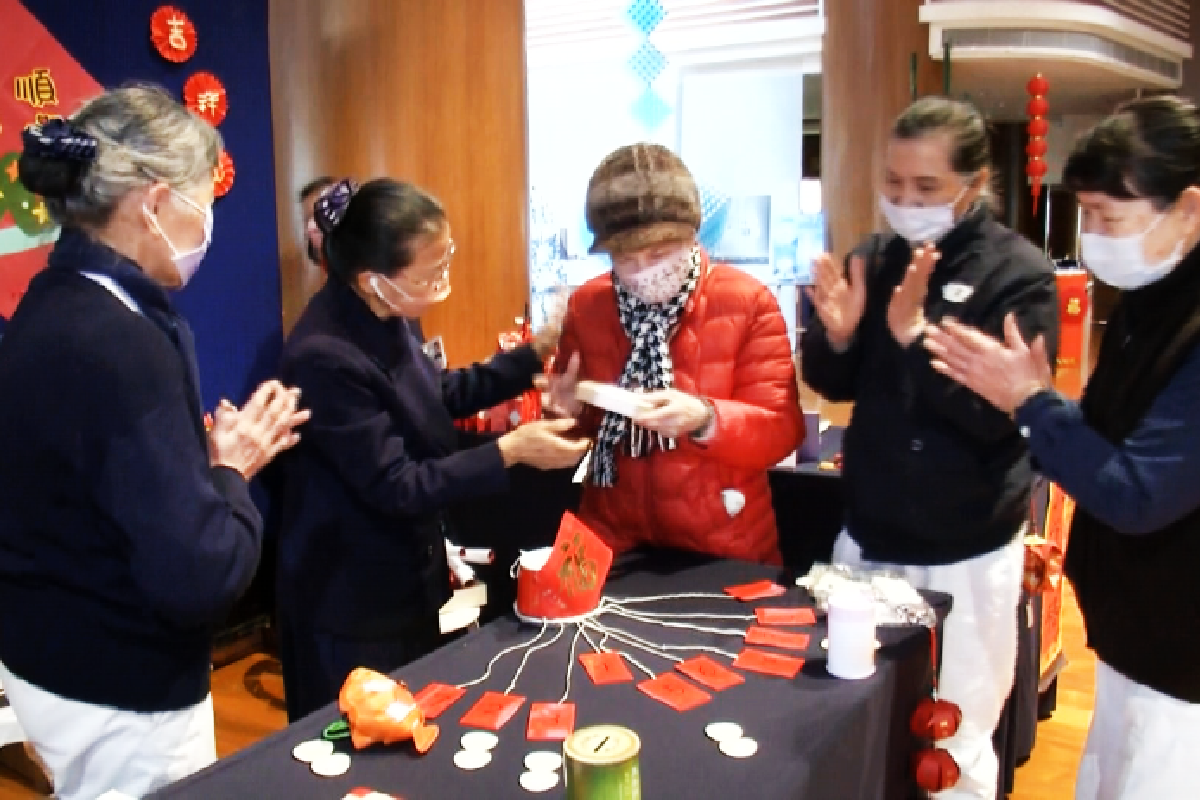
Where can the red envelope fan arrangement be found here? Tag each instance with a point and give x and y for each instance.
(569, 581)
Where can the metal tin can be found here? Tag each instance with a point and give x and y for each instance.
(601, 763)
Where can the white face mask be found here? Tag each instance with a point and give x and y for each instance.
(439, 291)
(186, 263)
(920, 225)
(1120, 261)
(660, 281)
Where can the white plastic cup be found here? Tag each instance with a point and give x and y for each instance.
(851, 635)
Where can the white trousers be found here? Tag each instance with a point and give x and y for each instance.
(90, 749)
(1142, 744)
(979, 650)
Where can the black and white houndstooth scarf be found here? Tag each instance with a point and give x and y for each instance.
(649, 327)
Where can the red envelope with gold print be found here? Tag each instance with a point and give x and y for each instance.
(705, 671)
(605, 668)
(492, 710)
(550, 722)
(672, 690)
(436, 698)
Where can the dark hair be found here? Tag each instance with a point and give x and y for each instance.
(314, 186)
(1149, 148)
(378, 228)
(968, 132)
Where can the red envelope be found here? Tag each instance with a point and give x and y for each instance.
(436, 698)
(785, 616)
(758, 590)
(492, 710)
(672, 690)
(550, 722)
(768, 663)
(776, 638)
(705, 671)
(605, 668)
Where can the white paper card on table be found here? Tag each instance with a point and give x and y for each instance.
(611, 398)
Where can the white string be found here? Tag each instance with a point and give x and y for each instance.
(683, 596)
(641, 644)
(671, 615)
(571, 663)
(525, 658)
(623, 612)
(596, 648)
(623, 654)
(487, 674)
(691, 647)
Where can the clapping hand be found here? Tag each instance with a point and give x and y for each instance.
(247, 439)
(906, 311)
(839, 299)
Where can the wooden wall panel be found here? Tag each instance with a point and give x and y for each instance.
(430, 92)
(865, 84)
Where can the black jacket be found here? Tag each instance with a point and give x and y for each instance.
(361, 548)
(933, 473)
(121, 549)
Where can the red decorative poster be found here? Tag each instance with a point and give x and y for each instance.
(204, 95)
(38, 80)
(173, 34)
(223, 175)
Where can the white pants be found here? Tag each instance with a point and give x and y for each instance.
(1142, 744)
(90, 750)
(979, 650)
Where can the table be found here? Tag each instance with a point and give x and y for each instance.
(819, 737)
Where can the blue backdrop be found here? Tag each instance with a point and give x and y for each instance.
(234, 301)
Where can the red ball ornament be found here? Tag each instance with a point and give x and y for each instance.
(223, 175)
(1038, 86)
(1036, 168)
(1037, 107)
(1038, 127)
(935, 719)
(173, 34)
(1036, 147)
(935, 770)
(204, 95)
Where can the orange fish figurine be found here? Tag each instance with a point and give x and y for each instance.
(382, 710)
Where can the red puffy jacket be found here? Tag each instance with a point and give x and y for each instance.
(731, 348)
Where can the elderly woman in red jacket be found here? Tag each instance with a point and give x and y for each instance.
(708, 346)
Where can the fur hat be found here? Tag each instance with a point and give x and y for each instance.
(640, 195)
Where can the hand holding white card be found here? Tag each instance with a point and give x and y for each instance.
(612, 398)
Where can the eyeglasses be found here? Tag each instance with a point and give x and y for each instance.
(442, 271)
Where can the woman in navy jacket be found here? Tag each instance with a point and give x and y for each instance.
(362, 566)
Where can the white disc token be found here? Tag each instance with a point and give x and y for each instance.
(543, 761)
(479, 740)
(539, 781)
(723, 731)
(310, 751)
(332, 765)
(472, 759)
(739, 748)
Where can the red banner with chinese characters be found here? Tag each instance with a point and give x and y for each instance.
(1060, 509)
(1073, 317)
(38, 80)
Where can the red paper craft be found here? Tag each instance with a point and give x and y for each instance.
(785, 616)
(492, 710)
(436, 698)
(672, 690)
(570, 583)
(173, 34)
(776, 638)
(758, 590)
(605, 668)
(704, 670)
(204, 95)
(774, 664)
(223, 174)
(550, 722)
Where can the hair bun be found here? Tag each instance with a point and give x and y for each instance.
(55, 157)
(331, 205)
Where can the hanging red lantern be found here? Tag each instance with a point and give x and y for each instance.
(205, 96)
(223, 175)
(935, 770)
(1037, 108)
(173, 34)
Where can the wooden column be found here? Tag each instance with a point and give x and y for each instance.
(865, 64)
(428, 92)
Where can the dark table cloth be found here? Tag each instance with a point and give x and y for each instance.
(818, 737)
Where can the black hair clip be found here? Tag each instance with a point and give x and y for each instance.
(57, 138)
(330, 207)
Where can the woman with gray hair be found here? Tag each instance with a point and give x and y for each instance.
(126, 530)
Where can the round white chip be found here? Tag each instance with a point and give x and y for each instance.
(539, 781)
(472, 759)
(739, 748)
(332, 765)
(543, 761)
(479, 740)
(309, 752)
(723, 731)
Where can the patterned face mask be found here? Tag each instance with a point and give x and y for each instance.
(660, 281)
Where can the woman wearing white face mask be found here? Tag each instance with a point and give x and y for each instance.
(126, 532)
(1129, 453)
(362, 561)
(937, 482)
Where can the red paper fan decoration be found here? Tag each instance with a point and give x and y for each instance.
(173, 34)
(204, 94)
(223, 175)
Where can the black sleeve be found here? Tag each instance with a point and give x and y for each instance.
(489, 383)
(354, 432)
(834, 375)
(1033, 298)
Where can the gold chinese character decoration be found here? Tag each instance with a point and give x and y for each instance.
(205, 96)
(173, 34)
(578, 571)
(36, 89)
(1074, 307)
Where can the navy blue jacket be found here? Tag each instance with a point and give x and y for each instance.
(361, 548)
(121, 549)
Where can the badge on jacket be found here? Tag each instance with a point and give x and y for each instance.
(957, 292)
